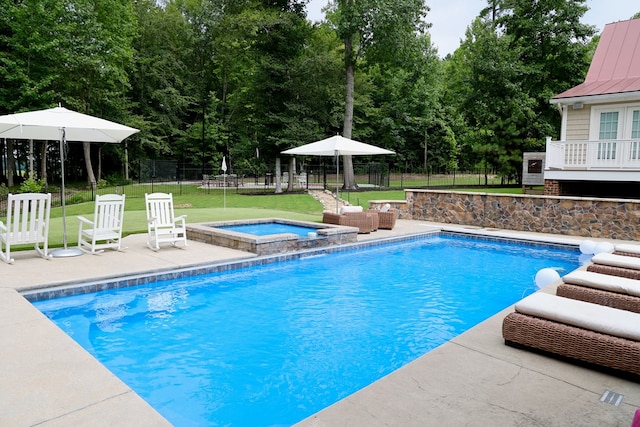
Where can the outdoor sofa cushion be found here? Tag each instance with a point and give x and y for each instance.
(350, 209)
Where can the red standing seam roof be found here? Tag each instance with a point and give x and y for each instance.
(615, 67)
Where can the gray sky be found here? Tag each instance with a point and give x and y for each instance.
(450, 18)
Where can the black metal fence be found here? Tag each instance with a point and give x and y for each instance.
(370, 176)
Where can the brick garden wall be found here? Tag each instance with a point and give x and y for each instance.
(586, 217)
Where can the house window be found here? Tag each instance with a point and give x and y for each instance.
(609, 125)
(608, 130)
(635, 134)
(635, 124)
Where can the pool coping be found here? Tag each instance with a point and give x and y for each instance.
(44, 292)
(123, 281)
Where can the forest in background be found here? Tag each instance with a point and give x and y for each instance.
(247, 79)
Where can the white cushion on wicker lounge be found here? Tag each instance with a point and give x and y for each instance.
(346, 209)
(606, 282)
(632, 249)
(617, 260)
(594, 317)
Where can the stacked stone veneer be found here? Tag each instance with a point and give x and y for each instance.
(587, 217)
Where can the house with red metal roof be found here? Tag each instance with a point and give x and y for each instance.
(598, 153)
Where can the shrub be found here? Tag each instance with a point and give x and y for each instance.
(31, 185)
(75, 199)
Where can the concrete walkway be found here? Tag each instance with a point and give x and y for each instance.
(474, 380)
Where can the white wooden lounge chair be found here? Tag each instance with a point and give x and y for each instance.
(162, 226)
(105, 231)
(27, 223)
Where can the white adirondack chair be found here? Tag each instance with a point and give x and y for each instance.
(27, 223)
(163, 226)
(105, 231)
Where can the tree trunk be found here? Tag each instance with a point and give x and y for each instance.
(291, 173)
(99, 174)
(43, 164)
(86, 148)
(347, 168)
(32, 172)
(278, 176)
(126, 162)
(3, 146)
(11, 164)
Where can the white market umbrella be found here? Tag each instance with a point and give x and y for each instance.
(63, 125)
(337, 146)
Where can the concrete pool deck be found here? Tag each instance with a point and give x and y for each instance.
(473, 380)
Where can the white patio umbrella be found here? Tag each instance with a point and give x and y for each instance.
(337, 146)
(63, 125)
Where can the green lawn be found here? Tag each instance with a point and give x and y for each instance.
(198, 208)
(218, 206)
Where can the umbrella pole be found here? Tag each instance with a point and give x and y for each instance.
(337, 180)
(64, 251)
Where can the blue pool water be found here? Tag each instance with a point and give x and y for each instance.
(269, 228)
(272, 344)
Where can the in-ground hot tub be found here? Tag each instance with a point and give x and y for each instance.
(290, 235)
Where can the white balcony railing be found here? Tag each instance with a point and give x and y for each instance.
(593, 155)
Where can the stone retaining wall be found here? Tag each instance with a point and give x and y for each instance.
(574, 216)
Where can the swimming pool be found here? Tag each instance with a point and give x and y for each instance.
(275, 343)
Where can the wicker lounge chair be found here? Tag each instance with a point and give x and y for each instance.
(615, 265)
(580, 331)
(612, 291)
(362, 220)
(376, 218)
(627, 250)
(386, 217)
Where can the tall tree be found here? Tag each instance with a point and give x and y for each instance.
(281, 34)
(163, 82)
(516, 56)
(488, 85)
(373, 28)
(74, 53)
(553, 47)
(95, 61)
(408, 114)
